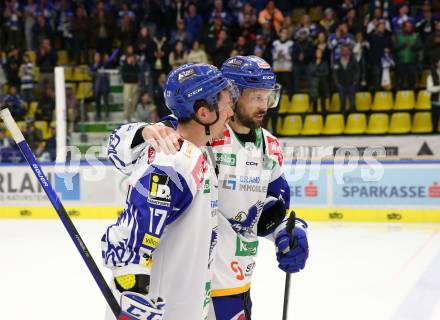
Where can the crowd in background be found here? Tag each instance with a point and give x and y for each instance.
(332, 46)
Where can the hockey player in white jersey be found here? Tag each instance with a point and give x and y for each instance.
(253, 193)
(161, 248)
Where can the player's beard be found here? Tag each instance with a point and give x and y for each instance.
(248, 120)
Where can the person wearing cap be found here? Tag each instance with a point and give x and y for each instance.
(433, 87)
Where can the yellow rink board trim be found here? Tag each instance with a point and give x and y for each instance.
(309, 214)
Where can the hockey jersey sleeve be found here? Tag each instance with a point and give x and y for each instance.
(158, 198)
(119, 149)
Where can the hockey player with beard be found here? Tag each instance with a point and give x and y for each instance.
(253, 193)
(162, 245)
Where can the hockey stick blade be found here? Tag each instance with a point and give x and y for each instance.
(19, 139)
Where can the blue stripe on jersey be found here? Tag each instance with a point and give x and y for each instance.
(280, 187)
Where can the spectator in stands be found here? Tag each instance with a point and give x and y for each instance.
(32, 135)
(15, 103)
(72, 106)
(46, 151)
(40, 31)
(302, 55)
(47, 10)
(262, 49)
(101, 85)
(178, 56)
(376, 19)
(318, 83)
(379, 42)
(402, 17)
(433, 87)
(248, 14)
(306, 23)
(197, 54)
(146, 110)
(322, 44)
(103, 25)
(46, 61)
(338, 39)
(193, 23)
(3, 80)
(243, 47)
(126, 25)
(407, 45)
(46, 105)
(81, 34)
(181, 35)
(328, 23)
(6, 143)
(354, 23)
(219, 12)
(426, 23)
(222, 48)
(160, 55)
(344, 8)
(282, 61)
(13, 62)
(174, 11)
(214, 32)
(271, 16)
(346, 77)
(146, 45)
(12, 16)
(27, 77)
(360, 51)
(159, 99)
(248, 28)
(29, 22)
(64, 28)
(388, 63)
(130, 78)
(432, 47)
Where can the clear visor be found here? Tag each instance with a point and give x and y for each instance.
(263, 97)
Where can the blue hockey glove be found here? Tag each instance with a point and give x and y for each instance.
(292, 259)
(135, 306)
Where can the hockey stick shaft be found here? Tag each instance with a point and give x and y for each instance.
(289, 228)
(59, 208)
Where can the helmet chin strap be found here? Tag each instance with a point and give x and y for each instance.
(207, 126)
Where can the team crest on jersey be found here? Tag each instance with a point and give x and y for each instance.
(274, 149)
(160, 193)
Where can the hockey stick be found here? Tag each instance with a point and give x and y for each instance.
(26, 151)
(289, 228)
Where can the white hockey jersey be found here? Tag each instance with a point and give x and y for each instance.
(247, 175)
(168, 229)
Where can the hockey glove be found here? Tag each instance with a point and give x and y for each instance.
(135, 306)
(292, 259)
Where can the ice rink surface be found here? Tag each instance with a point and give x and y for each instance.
(356, 271)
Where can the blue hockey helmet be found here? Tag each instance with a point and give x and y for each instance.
(193, 82)
(252, 72)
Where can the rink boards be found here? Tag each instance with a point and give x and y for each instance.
(369, 191)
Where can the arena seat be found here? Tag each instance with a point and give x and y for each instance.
(32, 55)
(383, 101)
(284, 103)
(62, 57)
(422, 123)
(334, 124)
(32, 109)
(292, 125)
(312, 125)
(405, 100)
(335, 103)
(299, 103)
(42, 125)
(400, 123)
(363, 101)
(85, 90)
(423, 100)
(356, 124)
(378, 123)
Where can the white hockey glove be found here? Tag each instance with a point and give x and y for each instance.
(136, 306)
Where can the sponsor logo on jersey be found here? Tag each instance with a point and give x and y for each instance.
(249, 179)
(246, 248)
(274, 149)
(150, 241)
(249, 269)
(207, 299)
(199, 170)
(207, 186)
(251, 163)
(236, 268)
(230, 183)
(253, 188)
(185, 75)
(227, 159)
(160, 192)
